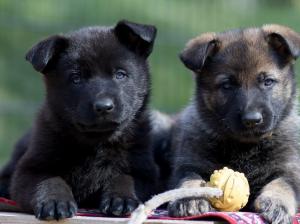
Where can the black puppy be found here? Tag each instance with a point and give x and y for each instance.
(244, 116)
(90, 145)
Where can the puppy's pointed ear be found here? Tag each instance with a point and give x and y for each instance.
(283, 40)
(137, 37)
(43, 53)
(198, 50)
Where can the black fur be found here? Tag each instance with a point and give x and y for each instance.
(90, 145)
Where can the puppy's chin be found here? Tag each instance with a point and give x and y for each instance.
(96, 128)
(251, 137)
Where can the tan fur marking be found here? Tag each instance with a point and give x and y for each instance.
(283, 89)
(280, 190)
(203, 38)
(275, 28)
(252, 36)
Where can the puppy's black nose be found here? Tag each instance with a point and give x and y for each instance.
(252, 119)
(104, 106)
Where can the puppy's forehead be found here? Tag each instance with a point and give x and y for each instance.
(250, 36)
(244, 50)
(92, 43)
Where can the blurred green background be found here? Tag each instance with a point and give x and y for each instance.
(24, 22)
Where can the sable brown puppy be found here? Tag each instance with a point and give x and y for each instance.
(243, 116)
(90, 145)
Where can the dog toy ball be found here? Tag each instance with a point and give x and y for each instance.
(235, 189)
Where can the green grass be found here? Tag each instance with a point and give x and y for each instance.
(23, 23)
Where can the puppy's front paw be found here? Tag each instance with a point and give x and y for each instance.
(189, 207)
(117, 206)
(273, 210)
(55, 209)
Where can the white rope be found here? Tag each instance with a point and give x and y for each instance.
(141, 213)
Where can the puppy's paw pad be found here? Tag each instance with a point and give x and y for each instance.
(55, 209)
(117, 206)
(189, 207)
(130, 206)
(272, 210)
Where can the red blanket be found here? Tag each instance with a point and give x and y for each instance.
(230, 217)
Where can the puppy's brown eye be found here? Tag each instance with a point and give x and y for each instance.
(75, 78)
(120, 74)
(269, 82)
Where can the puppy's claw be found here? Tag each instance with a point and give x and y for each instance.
(130, 206)
(48, 211)
(104, 205)
(117, 206)
(72, 208)
(63, 210)
(55, 210)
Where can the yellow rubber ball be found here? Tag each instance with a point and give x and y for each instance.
(235, 189)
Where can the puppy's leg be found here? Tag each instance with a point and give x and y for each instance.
(5, 176)
(8, 170)
(48, 197)
(190, 206)
(119, 198)
(277, 202)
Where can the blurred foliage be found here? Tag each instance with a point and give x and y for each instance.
(24, 22)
